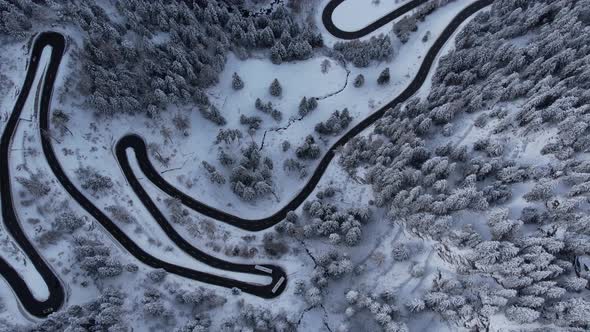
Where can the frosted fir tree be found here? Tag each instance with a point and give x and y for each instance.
(237, 83)
(212, 114)
(214, 175)
(384, 77)
(303, 110)
(224, 158)
(522, 314)
(325, 66)
(275, 88)
(278, 53)
(299, 50)
(312, 103)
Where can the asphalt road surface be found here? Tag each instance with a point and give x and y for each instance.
(56, 291)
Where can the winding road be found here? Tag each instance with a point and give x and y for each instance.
(9, 216)
(279, 279)
(342, 34)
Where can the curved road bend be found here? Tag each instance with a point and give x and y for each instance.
(183, 244)
(137, 144)
(265, 291)
(337, 32)
(9, 216)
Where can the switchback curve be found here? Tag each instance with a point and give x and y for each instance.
(342, 34)
(277, 274)
(9, 216)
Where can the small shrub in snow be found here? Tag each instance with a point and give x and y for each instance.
(157, 275)
(384, 77)
(285, 146)
(275, 88)
(237, 83)
(91, 180)
(359, 81)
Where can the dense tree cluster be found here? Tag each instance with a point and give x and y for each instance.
(268, 109)
(228, 136)
(65, 222)
(362, 52)
(199, 298)
(177, 50)
(253, 122)
(383, 308)
(328, 221)
(155, 306)
(91, 180)
(274, 246)
(532, 55)
(68, 222)
(16, 18)
(332, 265)
(106, 313)
(307, 105)
(309, 149)
(200, 323)
(257, 318)
(294, 166)
(178, 213)
(251, 178)
(95, 258)
(337, 122)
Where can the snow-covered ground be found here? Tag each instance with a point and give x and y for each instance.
(298, 79)
(352, 15)
(92, 140)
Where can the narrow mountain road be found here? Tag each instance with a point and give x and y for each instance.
(279, 279)
(9, 216)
